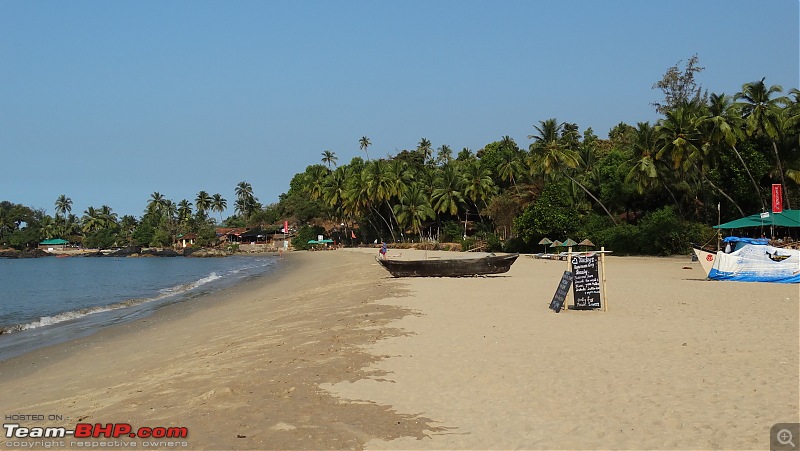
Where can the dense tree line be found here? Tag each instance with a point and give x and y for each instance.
(647, 188)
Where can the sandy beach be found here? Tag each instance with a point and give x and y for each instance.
(333, 353)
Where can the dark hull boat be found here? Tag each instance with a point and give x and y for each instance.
(456, 267)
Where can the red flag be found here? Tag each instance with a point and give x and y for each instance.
(777, 198)
(352, 234)
(285, 226)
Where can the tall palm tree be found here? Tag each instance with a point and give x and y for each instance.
(682, 143)
(156, 203)
(203, 203)
(184, 210)
(761, 113)
(380, 188)
(549, 156)
(477, 182)
(425, 148)
(444, 154)
(246, 202)
(218, 204)
(364, 143)
(63, 205)
(723, 120)
(329, 158)
(447, 195)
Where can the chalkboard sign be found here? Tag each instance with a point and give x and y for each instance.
(586, 286)
(561, 292)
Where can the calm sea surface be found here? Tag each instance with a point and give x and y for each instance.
(49, 300)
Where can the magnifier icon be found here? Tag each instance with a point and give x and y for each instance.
(784, 437)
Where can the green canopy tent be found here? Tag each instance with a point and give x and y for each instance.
(788, 218)
(57, 241)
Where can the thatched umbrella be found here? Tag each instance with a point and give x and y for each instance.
(545, 241)
(569, 242)
(586, 243)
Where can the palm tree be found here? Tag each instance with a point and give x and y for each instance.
(246, 201)
(761, 113)
(184, 210)
(477, 182)
(63, 205)
(447, 194)
(48, 228)
(682, 142)
(723, 119)
(329, 157)
(550, 155)
(92, 221)
(425, 148)
(414, 209)
(647, 172)
(218, 204)
(156, 203)
(364, 143)
(202, 202)
(444, 154)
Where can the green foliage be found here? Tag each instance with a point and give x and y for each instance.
(452, 232)
(550, 215)
(100, 239)
(659, 233)
(304, 234)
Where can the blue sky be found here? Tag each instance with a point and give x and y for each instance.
(107, 102)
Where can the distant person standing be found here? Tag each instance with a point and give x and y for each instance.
(383, 250)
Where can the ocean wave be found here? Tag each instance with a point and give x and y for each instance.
(80, 313)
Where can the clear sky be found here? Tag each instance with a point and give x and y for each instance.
(109, 101)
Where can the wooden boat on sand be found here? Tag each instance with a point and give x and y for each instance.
(453, 267)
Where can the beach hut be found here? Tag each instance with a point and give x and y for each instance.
(54, 244)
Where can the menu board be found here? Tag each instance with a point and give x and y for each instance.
(586, 281)
(561, 292)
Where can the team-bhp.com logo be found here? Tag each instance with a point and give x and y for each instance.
(50, 436)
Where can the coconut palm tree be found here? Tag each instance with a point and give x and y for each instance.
(414, 209)
(364, 143)
(203, 203)
(682, 142)
(329, 158)
(723, 124)
(184, 210)
(425, 148)
(761, 113)
(156, 203)
(477, 182)
(447, 196)
(63, 205)
(92, 220)
(218, 204)
(550, 156)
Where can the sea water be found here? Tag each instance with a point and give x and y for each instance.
(49, 300)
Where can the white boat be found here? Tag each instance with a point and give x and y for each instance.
(751, 260)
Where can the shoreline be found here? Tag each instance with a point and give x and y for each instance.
(240, 369)
(334, 353)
